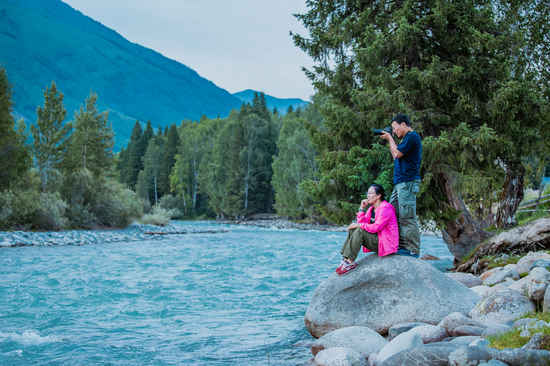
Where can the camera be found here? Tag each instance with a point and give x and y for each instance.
(378, 132)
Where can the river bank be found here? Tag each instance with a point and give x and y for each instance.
(134, 232)
(287, 224)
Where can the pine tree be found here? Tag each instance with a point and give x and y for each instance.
(458, 71)
(49, 134)
(92, 142)
(169, 158)
(133, 163)
(14, 155)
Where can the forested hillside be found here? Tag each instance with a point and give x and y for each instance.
(281, 104)
(46, 40)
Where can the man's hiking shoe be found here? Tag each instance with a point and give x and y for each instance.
(347, 268)
(407, 253)
(342, 262)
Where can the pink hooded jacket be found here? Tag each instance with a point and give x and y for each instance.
(385, 225)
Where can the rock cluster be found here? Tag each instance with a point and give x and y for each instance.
(500, 297)
(134, 232)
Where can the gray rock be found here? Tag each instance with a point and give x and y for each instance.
(511, 265)
(371, 358)
(468, 330)
(520, 284)
(501, 307)
(538, 283)
(467, 279)
(537, 341)
(539, 325)
(463, 341)
(421, 356)
(524, 357)
(497, 288)
(397, 329)
(474, 355)
(398, 344)
(489, 273)
(525, 263)
(501, 276)
(525, 334)
(362, 339)
(524, 323)
(495, 329)
(430, 333)
(540, 263)
(456, 319)
(480, 290)
(480, 342)
(384, 291)
(340, 356)
(546, 300)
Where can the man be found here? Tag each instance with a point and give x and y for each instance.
(406, 180)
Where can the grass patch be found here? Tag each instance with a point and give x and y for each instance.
(512, 339)
(531, 216)
(492, 261)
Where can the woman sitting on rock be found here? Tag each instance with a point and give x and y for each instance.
(380, 235)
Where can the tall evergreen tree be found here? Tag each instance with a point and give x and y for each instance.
(50, 134)
(169, 158)
(132, 163)
(92, 142)
(14, 155)
(456, 68)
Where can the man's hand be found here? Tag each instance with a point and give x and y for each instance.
(386, 136)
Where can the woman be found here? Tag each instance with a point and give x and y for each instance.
(380, 235)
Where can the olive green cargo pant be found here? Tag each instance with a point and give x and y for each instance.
(356, 239)
(403, 199)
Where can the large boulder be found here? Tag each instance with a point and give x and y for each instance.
(501, 307)
(384, 291)
(525, 263)
(340, 356)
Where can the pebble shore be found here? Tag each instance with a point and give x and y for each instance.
(135, 232)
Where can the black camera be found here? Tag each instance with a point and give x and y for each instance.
(378, 132)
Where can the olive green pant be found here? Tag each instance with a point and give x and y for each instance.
(403, 199)
(356, 239)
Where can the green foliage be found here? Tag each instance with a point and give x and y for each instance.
(91, 143)
(168, 158)
(512, 338)
(294, 164)
(152, 161)
(454, 68)
(50, 134)
(14, 155)
(159, 216)
(173, 205)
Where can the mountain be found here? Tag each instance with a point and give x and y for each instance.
(45, 40)
(272, 102)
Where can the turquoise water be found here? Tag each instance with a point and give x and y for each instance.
(203, 299)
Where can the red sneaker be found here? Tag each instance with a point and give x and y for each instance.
(342, 262)
(347, 268)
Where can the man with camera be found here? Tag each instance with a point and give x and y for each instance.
(406, 180)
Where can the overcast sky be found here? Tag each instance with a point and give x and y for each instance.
(237, 44)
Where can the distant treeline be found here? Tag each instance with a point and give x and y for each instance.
(63, 174)
(253, 161)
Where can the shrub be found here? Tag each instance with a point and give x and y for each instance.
(51, 212)
(20, 205)
(169, 202)
(159, 216)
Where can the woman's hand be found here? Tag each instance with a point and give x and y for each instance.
(353, 226)
(364, 203)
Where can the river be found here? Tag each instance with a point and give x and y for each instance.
(235, 298)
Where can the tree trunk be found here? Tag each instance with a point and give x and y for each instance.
(463, 234)
(510, 198)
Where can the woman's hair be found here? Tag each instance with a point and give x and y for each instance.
(379, 190)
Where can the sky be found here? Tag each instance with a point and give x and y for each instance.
(237, 44)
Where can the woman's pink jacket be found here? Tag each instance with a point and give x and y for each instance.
(385, 225)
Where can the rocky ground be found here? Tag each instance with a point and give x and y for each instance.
(376, 329)
(134, 232)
